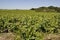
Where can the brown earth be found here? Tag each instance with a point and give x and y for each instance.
(52, 37)
(11, 36)
(6, 36)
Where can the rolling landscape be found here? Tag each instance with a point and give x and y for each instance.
(41, 23)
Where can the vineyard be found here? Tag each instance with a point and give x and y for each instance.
(28, 24)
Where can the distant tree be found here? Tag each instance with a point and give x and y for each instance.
(32, 9)
(51, 7)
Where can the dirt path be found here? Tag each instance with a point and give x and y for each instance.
(52, 37)
(6, 36)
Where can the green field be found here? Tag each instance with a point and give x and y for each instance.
(28, 24)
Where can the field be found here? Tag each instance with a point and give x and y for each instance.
(28, 24)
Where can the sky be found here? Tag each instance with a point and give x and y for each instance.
(27, 4)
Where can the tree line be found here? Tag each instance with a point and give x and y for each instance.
(47, 9)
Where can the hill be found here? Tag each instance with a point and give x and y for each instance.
(47, 9)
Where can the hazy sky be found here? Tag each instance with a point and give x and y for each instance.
(27, 4)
